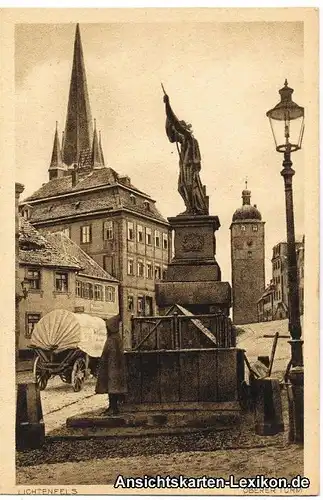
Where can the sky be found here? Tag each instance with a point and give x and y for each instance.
(221, 78)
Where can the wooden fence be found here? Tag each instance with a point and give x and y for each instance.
(178, 331)
(184, 376)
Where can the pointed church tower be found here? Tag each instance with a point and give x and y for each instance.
(78, 130)
(96, 159)
(101, 150)
(57, 167)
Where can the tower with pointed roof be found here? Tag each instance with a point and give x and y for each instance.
(115, 223)
(247, 260)
(80, 144)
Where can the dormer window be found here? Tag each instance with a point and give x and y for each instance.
(146, 205)
(133, 199)
(26, 212)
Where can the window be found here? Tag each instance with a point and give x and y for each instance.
(133, 199)
(130, 267)
(109, 264)
(157, 238)
(61, 282)
(31, 320)
(86, 234)
(140, 268)
(98, 292)
(78, 288)
(110, 294)
(148, 236)
(149, 270)
(130, 303)
(33, 276)
(140, 304)
(85, 291)
(165, 241)
(157, 272)
(140, 234)
(67, 231)
(90, 287)
(130, 231)
(164, 272)
(108, 230)
(242, 227)
(249, 254)
(255, 228)
(146, 205)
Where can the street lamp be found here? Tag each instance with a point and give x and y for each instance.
(287, 125)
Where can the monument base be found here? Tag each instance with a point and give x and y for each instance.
(193, 278)
(199, 297)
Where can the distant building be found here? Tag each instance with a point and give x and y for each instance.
(60, 276)
(247, 260)
(280, 278)
(266, 304)
(279, 283)
(116, 224)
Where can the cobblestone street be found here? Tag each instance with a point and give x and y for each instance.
(97, 461)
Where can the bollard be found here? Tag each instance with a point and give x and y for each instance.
(30, 428)
(268, 412)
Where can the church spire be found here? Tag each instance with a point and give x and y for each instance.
(96, 154)
(57, 167)
(101, 150)
(78, 130)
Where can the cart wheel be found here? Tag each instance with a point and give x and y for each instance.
(66, 377)
(78, 374)
(41, 376)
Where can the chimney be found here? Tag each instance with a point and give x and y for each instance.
(75, 176)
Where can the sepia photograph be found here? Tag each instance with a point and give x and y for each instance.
(165, 250)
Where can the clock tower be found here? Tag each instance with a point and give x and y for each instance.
(247, 260)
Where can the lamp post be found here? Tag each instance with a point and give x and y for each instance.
(287, 124)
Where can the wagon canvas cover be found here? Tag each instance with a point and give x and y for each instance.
(61, 329)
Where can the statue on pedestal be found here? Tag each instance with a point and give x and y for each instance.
(189, 182)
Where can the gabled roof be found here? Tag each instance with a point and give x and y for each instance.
(35, 249)
(67, 247)
(56, 250)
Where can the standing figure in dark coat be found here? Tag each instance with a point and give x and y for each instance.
(112, 374)
(189, 182)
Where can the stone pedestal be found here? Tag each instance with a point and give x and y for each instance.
(193, 278)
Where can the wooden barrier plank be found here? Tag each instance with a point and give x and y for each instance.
(150, 382)
(189, 376)
(169, 377)
(133, 364)
(208, 376)
(227, 374)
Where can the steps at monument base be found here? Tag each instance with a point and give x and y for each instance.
(155, 421)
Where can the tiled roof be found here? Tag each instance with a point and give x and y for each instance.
(35, 249)
(55, 250)
(69, 248)
(63, 185)
(91, 202)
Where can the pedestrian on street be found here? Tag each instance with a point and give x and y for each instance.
(111, 373)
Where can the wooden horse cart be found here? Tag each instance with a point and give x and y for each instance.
(65, 344)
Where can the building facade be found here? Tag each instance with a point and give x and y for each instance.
(60, 276)
(247, 260)
(116, 224)
(279, 282)
(266, 304)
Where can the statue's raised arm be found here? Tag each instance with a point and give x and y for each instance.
(189, 182)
